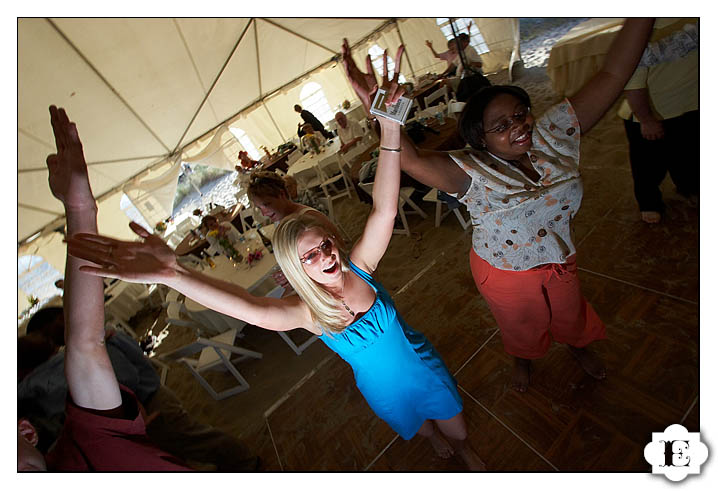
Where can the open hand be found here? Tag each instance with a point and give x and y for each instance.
(148, 261)
(391, 86)
(67, 169)
(364, 84)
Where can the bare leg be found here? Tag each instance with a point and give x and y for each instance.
(455, 431)
(522, 374)
(442, 448)
(589, 361)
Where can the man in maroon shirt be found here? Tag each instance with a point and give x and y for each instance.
(104, 428)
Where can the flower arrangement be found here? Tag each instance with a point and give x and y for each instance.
(346, 104)
(161, 227)
(254, 256)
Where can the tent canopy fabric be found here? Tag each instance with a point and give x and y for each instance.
(145, 92)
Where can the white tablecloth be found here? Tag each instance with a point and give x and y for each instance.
(305, 168)
(254, 279)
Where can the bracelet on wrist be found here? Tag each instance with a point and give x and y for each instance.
(390, 149)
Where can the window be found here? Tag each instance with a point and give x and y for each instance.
(246, 142)
(37, 278)
(133, 213)
(377, 60)
(313, 100)
(477, 40)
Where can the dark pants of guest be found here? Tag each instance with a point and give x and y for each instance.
(678, 152)
(176, 432)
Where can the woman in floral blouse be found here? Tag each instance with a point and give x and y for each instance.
(522, 186)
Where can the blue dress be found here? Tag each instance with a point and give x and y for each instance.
(396, 368)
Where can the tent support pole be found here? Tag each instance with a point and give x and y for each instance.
(406, 53)
(216, 79)
(273, 121)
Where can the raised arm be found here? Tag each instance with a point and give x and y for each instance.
(370, 248)
(599, 93)
(152, 261)
(431, 47)
(90, 377)
(434, 169)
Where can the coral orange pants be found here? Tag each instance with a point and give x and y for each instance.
(528, 305)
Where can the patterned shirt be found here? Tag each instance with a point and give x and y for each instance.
(518, 223)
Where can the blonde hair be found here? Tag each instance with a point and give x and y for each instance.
(326, 309)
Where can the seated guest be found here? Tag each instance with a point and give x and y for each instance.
(214, 231)
(42, 393)
(311, 119)
(104, 427)
(349, 131)
(246, 162)
(311, 140)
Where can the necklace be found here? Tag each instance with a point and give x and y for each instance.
(342, 298)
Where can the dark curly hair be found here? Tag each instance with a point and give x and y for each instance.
(471, 121)
(266, 183)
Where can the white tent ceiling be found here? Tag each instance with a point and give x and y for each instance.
(139, 89)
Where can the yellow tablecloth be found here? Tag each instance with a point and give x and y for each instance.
(579, 54)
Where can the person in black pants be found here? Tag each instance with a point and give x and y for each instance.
(311, 119)
(675, 151)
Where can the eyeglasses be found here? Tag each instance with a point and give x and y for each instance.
(518, 118)
(325, 248)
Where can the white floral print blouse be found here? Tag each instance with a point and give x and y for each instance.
(518, 223)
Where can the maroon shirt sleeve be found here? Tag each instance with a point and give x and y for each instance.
(93, 442)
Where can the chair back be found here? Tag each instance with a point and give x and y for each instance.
(436, 95)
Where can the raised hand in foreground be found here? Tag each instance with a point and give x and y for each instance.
(67, 169)
(148, 261)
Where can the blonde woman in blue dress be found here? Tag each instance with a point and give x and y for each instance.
(398, 371)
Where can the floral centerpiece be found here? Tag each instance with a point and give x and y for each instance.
(229, 250)
(346, 104)
(311, 141)
(161, 227)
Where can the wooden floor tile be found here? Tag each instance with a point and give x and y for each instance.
(588, 444)
(327, 424)
(494, 444)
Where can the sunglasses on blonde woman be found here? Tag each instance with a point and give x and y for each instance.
(325, 248)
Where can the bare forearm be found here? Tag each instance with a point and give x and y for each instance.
(386, 181)
(435, 169)
(90, 377)
(597, 96)
(233, 300)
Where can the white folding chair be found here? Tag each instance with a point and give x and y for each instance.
(269, 288)
(455, 109)
(215, 352)
(437, 94)
(432, 196)
(404, 199)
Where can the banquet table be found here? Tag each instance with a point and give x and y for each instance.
(256, 279)
(580, 53)
(278, 162)
(304, 169)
